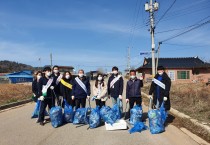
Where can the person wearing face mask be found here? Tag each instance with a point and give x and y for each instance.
(133, 90)
(81, 90)
(100, 91)
(37, 77)
(45, 93)
(57, 78)
(115, 88)
(160, 89)
(66, 88)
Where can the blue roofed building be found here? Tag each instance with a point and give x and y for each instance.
(20, 77)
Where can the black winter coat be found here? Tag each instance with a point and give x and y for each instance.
(66, 92)
(118, 87)
(163, 93)
(57, 86)
(43, 81)
(133, 88)
(35, 88)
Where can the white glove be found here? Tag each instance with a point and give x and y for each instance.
(88, 97)
(60, 97)
(72, 97)
(165, 98)
(150, 96)
(52, 87)
(120, 97)
(127, 100)
(141, 78)
(41, 98)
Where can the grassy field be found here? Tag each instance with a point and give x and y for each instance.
(192, 99)
(14, 92)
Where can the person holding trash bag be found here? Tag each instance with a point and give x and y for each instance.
(133, 90)
(37, 77)
(100, 91)
(160, 89)
(115, 88)
(45, 92)
(66, 88)
(57, 78)
(81, 90)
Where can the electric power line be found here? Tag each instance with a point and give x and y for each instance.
(177, 35)
(165, 13)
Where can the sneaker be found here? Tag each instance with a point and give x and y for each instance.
(42, 123)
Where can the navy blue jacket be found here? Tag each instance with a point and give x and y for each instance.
(43, 81)
(162, 93)
(133, 88)
(118, 87)
(57, 86)
(78, 92)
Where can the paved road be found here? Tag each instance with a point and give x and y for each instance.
(16, 128)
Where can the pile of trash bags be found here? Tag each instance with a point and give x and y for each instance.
(81, 116)
(157, 118)
(56, 116)
(136, 114)
(110, 115)
(35, 114)
(94, 118)
(68, 113)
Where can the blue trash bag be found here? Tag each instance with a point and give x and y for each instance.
(136, 114)
(80, 116)
(138, 127)
(68, 113)
(56, 116)
(35, 114)
(163, 113)
(94, 119)
(156, 123)
(108, 115)
(117, 111)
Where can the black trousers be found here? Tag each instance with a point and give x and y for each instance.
(80, 102)
(100, 103)
(133, 100)
(47, 102)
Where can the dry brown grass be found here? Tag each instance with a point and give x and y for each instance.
(14, 92)
(192, 99)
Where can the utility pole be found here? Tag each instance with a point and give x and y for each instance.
(51, 60)
(158, 52)
(150, 7)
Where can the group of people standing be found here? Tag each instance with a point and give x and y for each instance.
(50, 86)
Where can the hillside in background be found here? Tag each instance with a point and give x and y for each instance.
(11, 66)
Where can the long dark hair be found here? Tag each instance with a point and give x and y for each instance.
(64, 75)
(102, 81)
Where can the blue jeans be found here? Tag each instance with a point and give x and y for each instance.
(116, 100)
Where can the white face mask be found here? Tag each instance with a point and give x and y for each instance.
(100, 78)
(67, 76)
(160, 73)
(115, 72)
(81, 75)
(56, 71)
(38, 77)
(48, 74)
(132, 77)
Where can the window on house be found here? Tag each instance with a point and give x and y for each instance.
(171, 75)
(183, 74)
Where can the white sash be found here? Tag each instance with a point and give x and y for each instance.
(159, 83)
(114, 81)
(45, 87)
(59, 79)
(82, 85)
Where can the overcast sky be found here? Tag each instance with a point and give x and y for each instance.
(93, 34)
